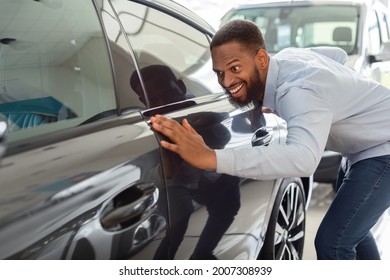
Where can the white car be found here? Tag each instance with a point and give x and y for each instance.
(359, 27)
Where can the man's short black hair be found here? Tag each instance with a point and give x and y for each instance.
(241, 31)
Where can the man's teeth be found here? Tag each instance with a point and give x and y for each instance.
(236, 89)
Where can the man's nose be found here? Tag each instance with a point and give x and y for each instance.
(227, 80)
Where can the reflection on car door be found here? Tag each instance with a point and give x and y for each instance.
(78, 187)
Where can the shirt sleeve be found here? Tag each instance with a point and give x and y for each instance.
(308, 120)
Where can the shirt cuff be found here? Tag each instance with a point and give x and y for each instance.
(225, 161)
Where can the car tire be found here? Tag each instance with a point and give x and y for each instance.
(285, 234)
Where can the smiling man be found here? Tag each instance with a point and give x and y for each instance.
(325, 104)
(244, 85)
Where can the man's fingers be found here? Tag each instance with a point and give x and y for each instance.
(187, 126)
(190, 129)
(164, 125)
(165, 122)
(169, 146)
(176, 133)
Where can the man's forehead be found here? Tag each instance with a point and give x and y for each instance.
(227, 54)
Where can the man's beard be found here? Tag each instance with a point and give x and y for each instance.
(252, 99)
(257, 104)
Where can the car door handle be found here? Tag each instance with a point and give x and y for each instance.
(262, 137)
(128, 207)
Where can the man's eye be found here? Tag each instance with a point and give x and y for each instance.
(236, 68)
(219, 74)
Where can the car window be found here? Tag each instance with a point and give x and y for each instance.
(303, 26)
(159, 39)
(384, 26)
(54, 66)
(374, 41)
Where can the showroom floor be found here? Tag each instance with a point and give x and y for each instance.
(321, 198)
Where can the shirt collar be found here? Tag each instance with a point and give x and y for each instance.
(270, 84)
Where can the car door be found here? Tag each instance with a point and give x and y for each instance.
(378, 66)
(76, 166)
(210, 215)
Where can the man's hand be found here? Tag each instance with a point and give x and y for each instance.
(186, 142)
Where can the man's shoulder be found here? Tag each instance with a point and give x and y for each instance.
(334, 53)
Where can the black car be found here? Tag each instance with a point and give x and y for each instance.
(82, 174)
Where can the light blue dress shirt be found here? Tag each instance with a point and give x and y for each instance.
(325, 104)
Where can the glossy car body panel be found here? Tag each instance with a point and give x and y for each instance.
(50, 183)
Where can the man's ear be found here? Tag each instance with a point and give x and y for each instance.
(262, 59)
(182, 86)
